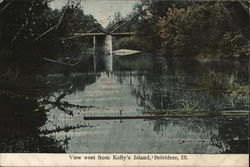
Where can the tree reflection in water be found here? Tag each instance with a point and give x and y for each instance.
(187, 88)
(133, 84)
(177, 85)
(23, 116)
(20, 122)
(221, 132)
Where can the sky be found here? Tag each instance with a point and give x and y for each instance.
(102, 10)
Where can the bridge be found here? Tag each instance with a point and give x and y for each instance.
(102, 43)
(119, 28)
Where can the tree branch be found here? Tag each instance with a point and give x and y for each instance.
(6, 5)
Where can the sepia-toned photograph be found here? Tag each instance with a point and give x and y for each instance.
(139, 77)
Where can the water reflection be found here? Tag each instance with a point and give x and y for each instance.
(19, 127)
(194, 135)
(125, 92)
(108, 57)
(102, 53)
(129, 85)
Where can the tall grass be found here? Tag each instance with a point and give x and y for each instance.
(227, 86)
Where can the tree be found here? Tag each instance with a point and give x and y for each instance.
(202, 29)
(31, 29)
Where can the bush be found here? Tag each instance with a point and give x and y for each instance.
(131, 43)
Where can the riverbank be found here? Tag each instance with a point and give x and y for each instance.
(209, 55)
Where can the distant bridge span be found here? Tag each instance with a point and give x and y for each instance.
(110, 30)
(79, 35)
(102, 34)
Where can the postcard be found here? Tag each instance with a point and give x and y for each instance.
(124, 83)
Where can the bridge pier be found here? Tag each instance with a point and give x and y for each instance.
(102, 53)
(94, 54)
(108, 53)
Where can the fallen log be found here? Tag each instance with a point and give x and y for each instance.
(158, 116)
(61, 63)
(65, 129)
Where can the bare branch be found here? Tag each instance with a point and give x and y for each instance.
(61, 18)
(45, 33)
(6, 5)
(225, 9)
(245, 5)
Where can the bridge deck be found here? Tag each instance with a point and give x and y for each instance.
(102, 34)
(89, 34)
(122, 33)
(79, 35)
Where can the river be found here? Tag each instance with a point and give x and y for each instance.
(128, 86)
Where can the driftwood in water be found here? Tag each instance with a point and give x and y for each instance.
(65, 129)
(64, 106)
(159, 116)
(61, 63)
(68, 91)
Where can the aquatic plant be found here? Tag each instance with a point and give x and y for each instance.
(215, 82)
(225, 85)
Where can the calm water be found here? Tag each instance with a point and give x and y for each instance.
(122, 86)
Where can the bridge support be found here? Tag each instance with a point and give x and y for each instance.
(102, 53)
(94, 53)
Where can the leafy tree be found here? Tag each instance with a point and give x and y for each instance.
(145, 17)
(192, 29)
(21, 22)
(31, 29)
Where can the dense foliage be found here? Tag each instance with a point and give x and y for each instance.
(29, 30)
(195, 29)
(204, 29)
